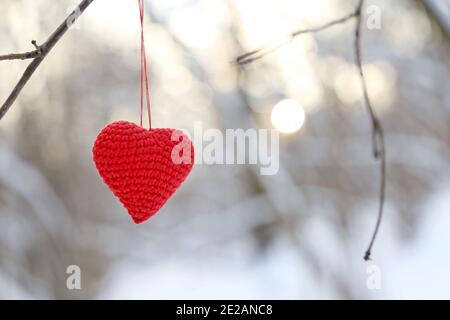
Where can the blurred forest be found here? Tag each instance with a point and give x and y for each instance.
(229, 232)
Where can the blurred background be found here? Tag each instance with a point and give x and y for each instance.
(229, 232)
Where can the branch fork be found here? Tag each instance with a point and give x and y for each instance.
(38, 55)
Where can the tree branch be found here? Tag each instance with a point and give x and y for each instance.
(265, 50)
(20, 56)
(39, 54)
(377, 130)
(378, 143)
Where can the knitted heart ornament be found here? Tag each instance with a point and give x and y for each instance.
(143, 168)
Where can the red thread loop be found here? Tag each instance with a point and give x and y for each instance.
(144, 72)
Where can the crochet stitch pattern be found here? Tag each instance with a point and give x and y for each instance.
(136, 164)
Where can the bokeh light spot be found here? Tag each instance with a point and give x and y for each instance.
(288, 116)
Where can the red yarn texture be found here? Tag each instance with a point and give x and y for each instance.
(137, 165)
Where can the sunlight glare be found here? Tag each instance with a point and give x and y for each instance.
(288, 116)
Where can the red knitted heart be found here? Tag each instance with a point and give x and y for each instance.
(137, 165)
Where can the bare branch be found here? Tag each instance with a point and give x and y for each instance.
(377, 130)
(20, 56)
(378, 143)
(39, 54)
(24, 56)
(263, 51)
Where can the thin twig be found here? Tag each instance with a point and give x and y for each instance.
(39, 54)
(377, 130)
(25, 55)
(20, 56)
(265, 50)
(378, 143)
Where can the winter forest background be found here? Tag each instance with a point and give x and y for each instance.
(228, 232)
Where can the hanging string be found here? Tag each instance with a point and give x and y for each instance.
(144, 72)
